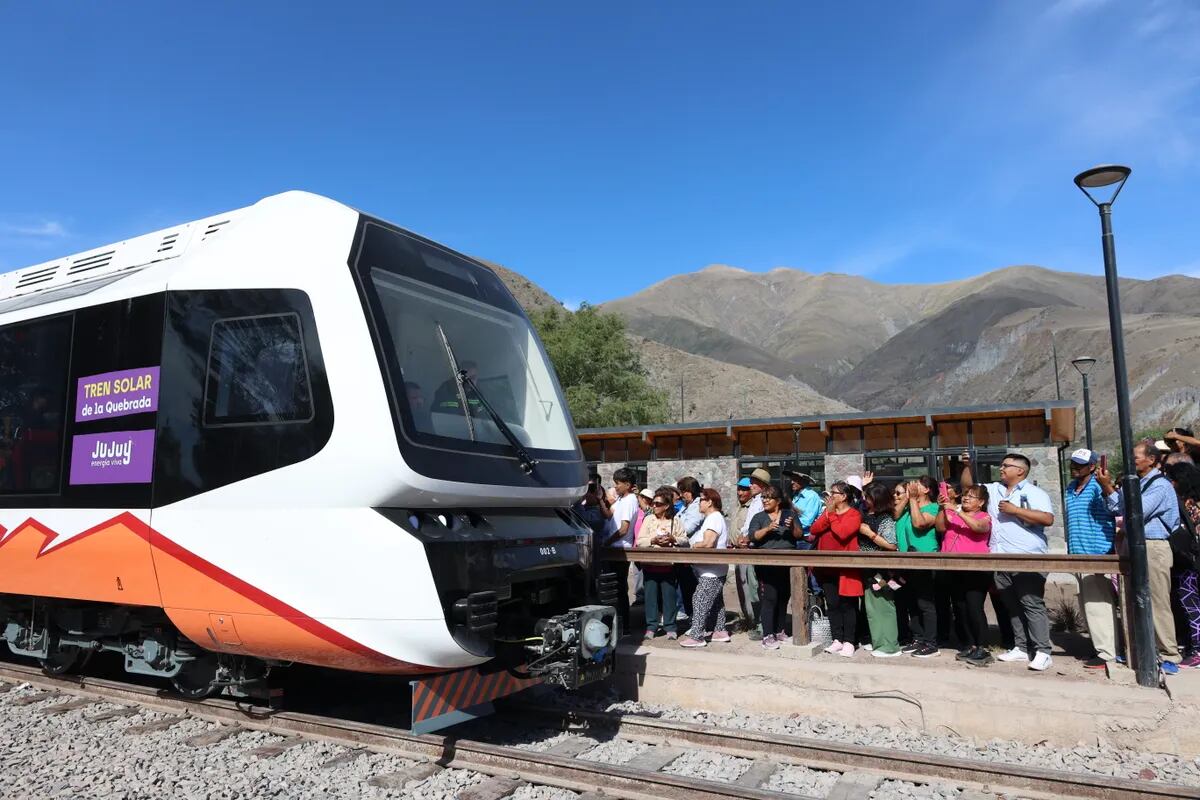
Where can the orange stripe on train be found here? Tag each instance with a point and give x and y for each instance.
(124, 561)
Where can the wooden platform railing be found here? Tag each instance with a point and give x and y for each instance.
(800, 561)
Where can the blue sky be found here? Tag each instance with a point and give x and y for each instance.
(598, 148)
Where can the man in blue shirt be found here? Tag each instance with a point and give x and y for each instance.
(806, 501)
(1160, 513)
(1090, 531)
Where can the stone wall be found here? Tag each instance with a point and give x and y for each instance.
(838, 466)
(719, 473)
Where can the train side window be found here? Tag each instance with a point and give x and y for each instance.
(257, 372)
(34, 360)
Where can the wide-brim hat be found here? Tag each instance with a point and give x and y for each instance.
(797, 476)
(761, 475)
(647, 493)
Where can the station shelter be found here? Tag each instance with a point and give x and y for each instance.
(894, 445)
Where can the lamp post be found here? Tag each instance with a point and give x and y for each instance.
(1089, 182)
(1084, 365)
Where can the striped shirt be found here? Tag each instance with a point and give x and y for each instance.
(1090, 525)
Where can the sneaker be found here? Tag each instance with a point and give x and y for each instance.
(650, 633)
(1042, 661)
(672, 636)
(886, 654)
(1191, 661)
(721, 636)
(783, 638)
(708, 634)
(755, 635)
(868, 647)
(1013, 655)
(1169, 668)
(688, 641)
(964, 654)
(979, 658)
(848, 650)
(1095, 663)
(835, 647)
(910, 648)
(769, 643)
(927, 651)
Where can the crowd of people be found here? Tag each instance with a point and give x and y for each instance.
(894, 613)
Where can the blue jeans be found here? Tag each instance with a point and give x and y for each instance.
(669, 588)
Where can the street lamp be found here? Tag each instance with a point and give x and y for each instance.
(1084, 365)
(1096, 183)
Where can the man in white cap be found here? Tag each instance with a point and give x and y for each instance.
(1091, 530)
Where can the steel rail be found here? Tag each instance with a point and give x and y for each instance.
(888, 762)
(445, 751)
(973, 562)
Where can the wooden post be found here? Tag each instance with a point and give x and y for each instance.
(1126, 631)
(800, 632)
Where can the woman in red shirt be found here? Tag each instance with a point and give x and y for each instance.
(837, 529)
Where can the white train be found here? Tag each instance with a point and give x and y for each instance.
(289, 433)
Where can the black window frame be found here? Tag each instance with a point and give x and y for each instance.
(262, 419)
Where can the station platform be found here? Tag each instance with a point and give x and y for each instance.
(1064, 706)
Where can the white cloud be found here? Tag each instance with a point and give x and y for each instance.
(28, 228)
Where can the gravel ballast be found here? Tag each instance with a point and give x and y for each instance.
(1096, 758)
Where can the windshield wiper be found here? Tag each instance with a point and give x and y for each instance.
(526, 461)
(462, 382)
(458, 381)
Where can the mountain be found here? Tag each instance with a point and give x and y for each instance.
(980, 340)
(712, 389)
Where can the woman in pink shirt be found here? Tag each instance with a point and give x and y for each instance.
(967, 531)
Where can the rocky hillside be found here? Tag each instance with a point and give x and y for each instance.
(982, 340)
(712, 389)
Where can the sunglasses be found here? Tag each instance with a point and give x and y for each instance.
(835, 491)
(660, 503)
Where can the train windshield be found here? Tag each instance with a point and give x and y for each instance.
(442, 320)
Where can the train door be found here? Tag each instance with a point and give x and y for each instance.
(244, 393)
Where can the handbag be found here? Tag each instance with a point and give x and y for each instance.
(819, 630)
(1183, 543)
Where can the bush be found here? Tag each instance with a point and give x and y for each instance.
(600, 372)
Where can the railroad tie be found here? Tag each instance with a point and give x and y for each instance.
(407, 776)
(116, 713)
(212, 737)
(36, 697)
(759, 773)
(569, 748)
(654, 759)
(853, 786)
(343, 758)
(272, 750)
(63, 708)
(492, 788)
(153, 727)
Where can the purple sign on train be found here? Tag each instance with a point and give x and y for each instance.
(117, 457)
(115, 394)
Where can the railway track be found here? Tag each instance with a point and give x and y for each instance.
(859, 770)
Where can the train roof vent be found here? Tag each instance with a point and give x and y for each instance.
(213, 228)
(90, 262)
(43, 273)
(168, 242)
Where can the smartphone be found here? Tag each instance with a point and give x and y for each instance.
(1104, 463)
(943, 489)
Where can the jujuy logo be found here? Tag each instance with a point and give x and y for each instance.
(113, 451)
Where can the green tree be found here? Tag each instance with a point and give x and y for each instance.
(601, 374)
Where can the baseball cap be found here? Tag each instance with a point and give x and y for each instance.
(1084, 456)
(744, 483)
(1162, 447)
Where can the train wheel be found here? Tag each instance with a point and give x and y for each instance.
(196, 680)
(64, 659)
